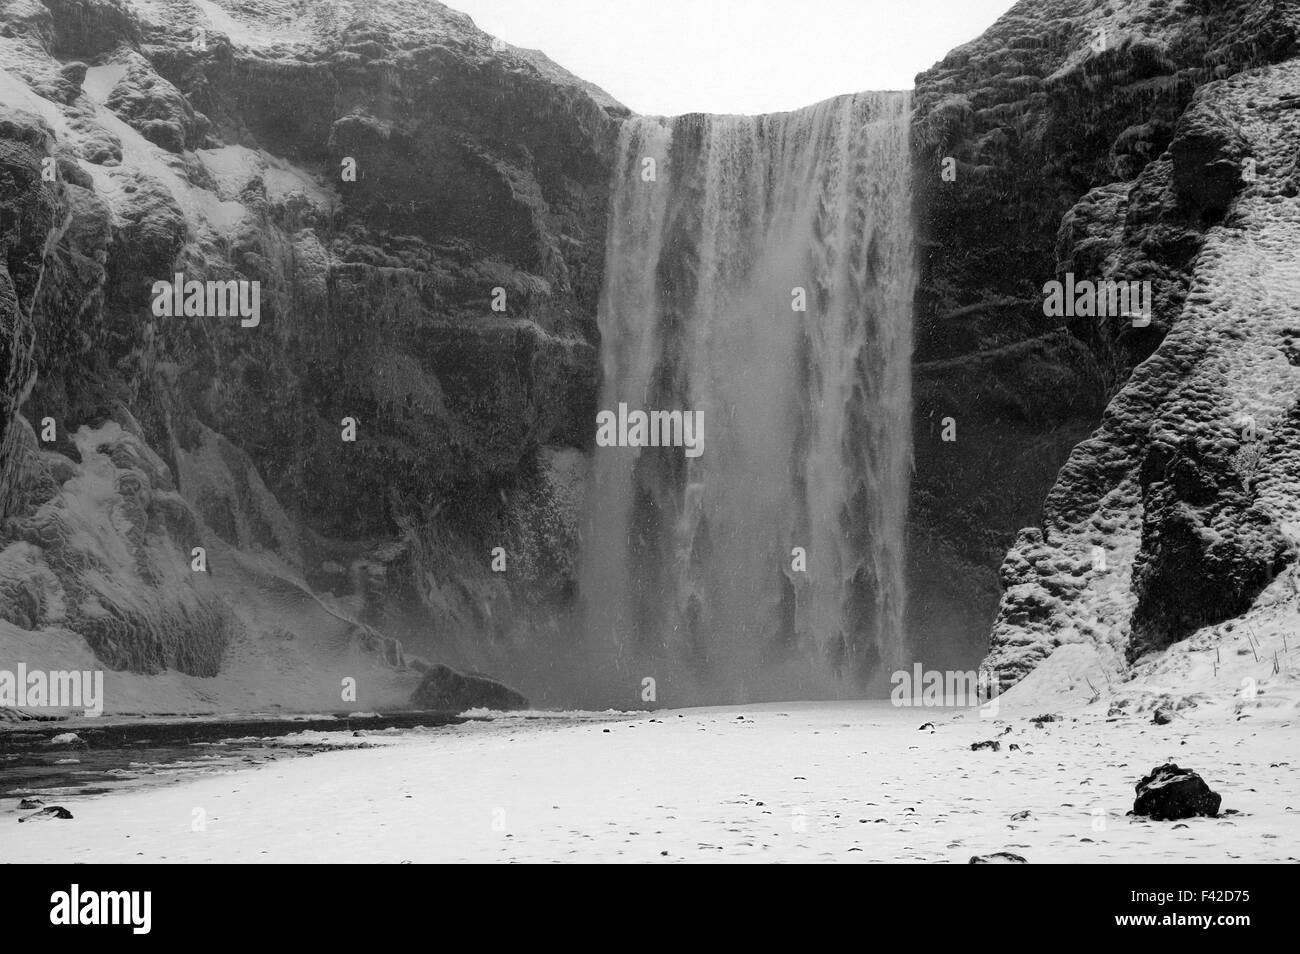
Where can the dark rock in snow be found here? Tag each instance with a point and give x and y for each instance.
(990, 744)
(1163, 716)
(998, 858)
(445, 690)
(1170, 793)
(46, 814)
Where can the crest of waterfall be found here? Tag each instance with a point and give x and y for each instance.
(688, 566)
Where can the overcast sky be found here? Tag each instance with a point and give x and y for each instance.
(737, 56)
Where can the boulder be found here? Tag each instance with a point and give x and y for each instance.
(1170, 793)
(446, 690)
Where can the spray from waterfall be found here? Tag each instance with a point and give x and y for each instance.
(760, 272)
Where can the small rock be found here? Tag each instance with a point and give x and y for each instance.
(998, 858)
(1020, 816)
(30, 803)
(928, 725)
(67, 738)
(1163, 716)
(990, 744)
(45, 814)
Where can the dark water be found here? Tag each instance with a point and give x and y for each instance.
(119, 754)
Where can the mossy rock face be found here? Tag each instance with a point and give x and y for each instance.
(187, 145)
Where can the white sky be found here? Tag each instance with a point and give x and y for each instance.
(668, 57)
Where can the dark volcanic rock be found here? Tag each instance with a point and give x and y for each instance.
(90, 27)
(46, 814)
(156, 108)
(1207, 153)
(1170, 793)
(998, 858)
(446, 690)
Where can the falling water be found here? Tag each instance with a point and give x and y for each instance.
(689, 564)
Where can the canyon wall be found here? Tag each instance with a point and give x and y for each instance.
(386, 172)
(1152, 141)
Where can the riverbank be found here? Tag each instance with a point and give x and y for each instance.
(798, 782)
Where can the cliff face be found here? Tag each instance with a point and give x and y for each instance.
(1149, 141)
(388, 174)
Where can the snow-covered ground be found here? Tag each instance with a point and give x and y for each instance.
(784, 782)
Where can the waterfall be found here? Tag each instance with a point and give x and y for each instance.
(689, 568)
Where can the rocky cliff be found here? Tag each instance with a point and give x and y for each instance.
(1150, 141)
(422, 209)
